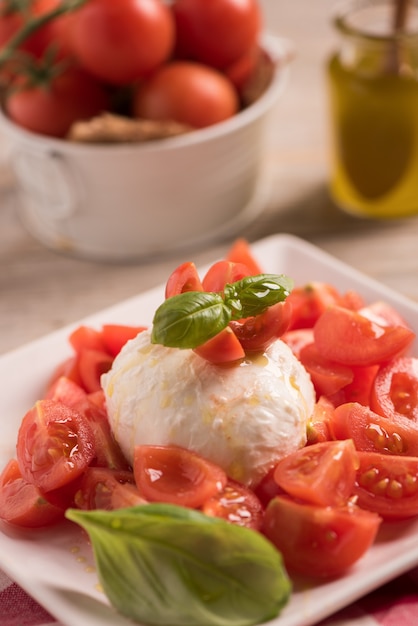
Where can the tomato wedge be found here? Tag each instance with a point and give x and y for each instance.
(388, 485)
(310, 301)
(225, 347)
(297, 339)
(91, 365)
(349, 338)
(240, 252)
(55, 445)
(85, 337)
(318, 425)
(327, 376)
(21, 503)
(395, 390)
(107, 489)
(323, 473)
(184, 278)
(176, 475)
(115, 336)
(255, 334)
(223, 273)
(319, 542)
(372, 432)
(236, 504)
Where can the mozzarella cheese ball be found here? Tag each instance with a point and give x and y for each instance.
(243, 417)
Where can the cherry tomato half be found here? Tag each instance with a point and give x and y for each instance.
(176, 475)
(107, 489)
(237, 504)
(323, 473)
(372, 432)
(55, 444)
(318, 541)
(184, 278)
(395, 390)
(256, 333)
(349, 338)
(388, 484)
(21, 503)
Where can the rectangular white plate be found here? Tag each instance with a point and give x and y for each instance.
(56, 566)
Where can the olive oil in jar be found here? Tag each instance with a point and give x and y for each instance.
(373, 89)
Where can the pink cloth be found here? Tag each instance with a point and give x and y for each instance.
(394, 604)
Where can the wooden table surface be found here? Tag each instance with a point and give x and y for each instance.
(41, 290)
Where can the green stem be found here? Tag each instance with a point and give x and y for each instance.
(33, 24)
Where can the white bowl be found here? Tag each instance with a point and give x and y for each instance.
(126, 201)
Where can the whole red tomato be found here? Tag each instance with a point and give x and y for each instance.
(50, 109)
(120, 41)
(188, 93)
(216, 32)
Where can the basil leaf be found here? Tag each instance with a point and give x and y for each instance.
(161, 564)
(189, 319)
(255, 294)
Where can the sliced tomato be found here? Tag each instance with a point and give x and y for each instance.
(85, 337)
(268, 488)
(297, 339)
(66, 391)
(388, 485)
(383, 313)
(349, 338)
(310, 301)
(240, 252)
(323, 473)
(372, 432)
(91, 365)
(222, 349)
(223, 273)
(395, 390)
(318, 541)
(255, 334)
(351, 299)
(184, 278)
(107, 489)
(107, 452)
(359, 389)
(176, 475)
(55, 444)
(318, 425)
(115, 336)
(236, 504)
(21, 503)
(327, 376)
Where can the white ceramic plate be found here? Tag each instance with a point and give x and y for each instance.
(56, 566)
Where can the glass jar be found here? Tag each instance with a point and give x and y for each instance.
(373, 88)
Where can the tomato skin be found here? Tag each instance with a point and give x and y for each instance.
(54, 445)
(240, 252)
(297, 338)
(51, 109)
(323, 473)
(218, 32)
(222, 273)
(359, 389)
(319, 542)
(395, 391)
(372, 432)
(255, 334)
(131, 38)
(183, 279)
(222, 349)
(211, 97)
(388, 485)
(237, 504)
(176, 475)
(84, 337)
(21, 503)
(349, 338)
